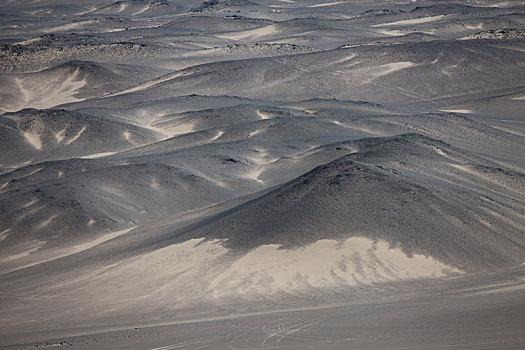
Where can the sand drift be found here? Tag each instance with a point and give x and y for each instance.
(262, 174)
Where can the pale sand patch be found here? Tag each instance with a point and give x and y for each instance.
(506, 218)
(471, 170)
(411, 21)
(30, 203)
(47, 221)
(200, 269)
(98, 155)
(263, 115)
(24, 250)
(391, 32)
(358, 127)
(59, 136)
(74, 138)
(34, 139)
(67, 27)
(33, 172)
(219, 134)
(391, 68)
(327, 4)
(440, 152)
(254, 174)
(122, 7)
(127, 135)
(91, 9)
(50, 93)
(462, 111)
(29, 41)
(510, 131)
(156, 185)
(144, 9)
(64, 252)
(219, 183)
(324, 264)
(84, 246)
(170, 132)
(368, 74)
(147, 85)
(4, 234)
(345, 59)
(298, 108)
(256, 132)
(177, 273)
(476, 27)
(463, 167)
(261, 162)
(250, 34)
(509, 288)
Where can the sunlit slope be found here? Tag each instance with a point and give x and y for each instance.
(425, 74)
(35, 135)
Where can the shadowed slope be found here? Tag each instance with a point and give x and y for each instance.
(371, 193)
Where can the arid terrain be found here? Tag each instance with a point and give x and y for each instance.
(239, 174)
